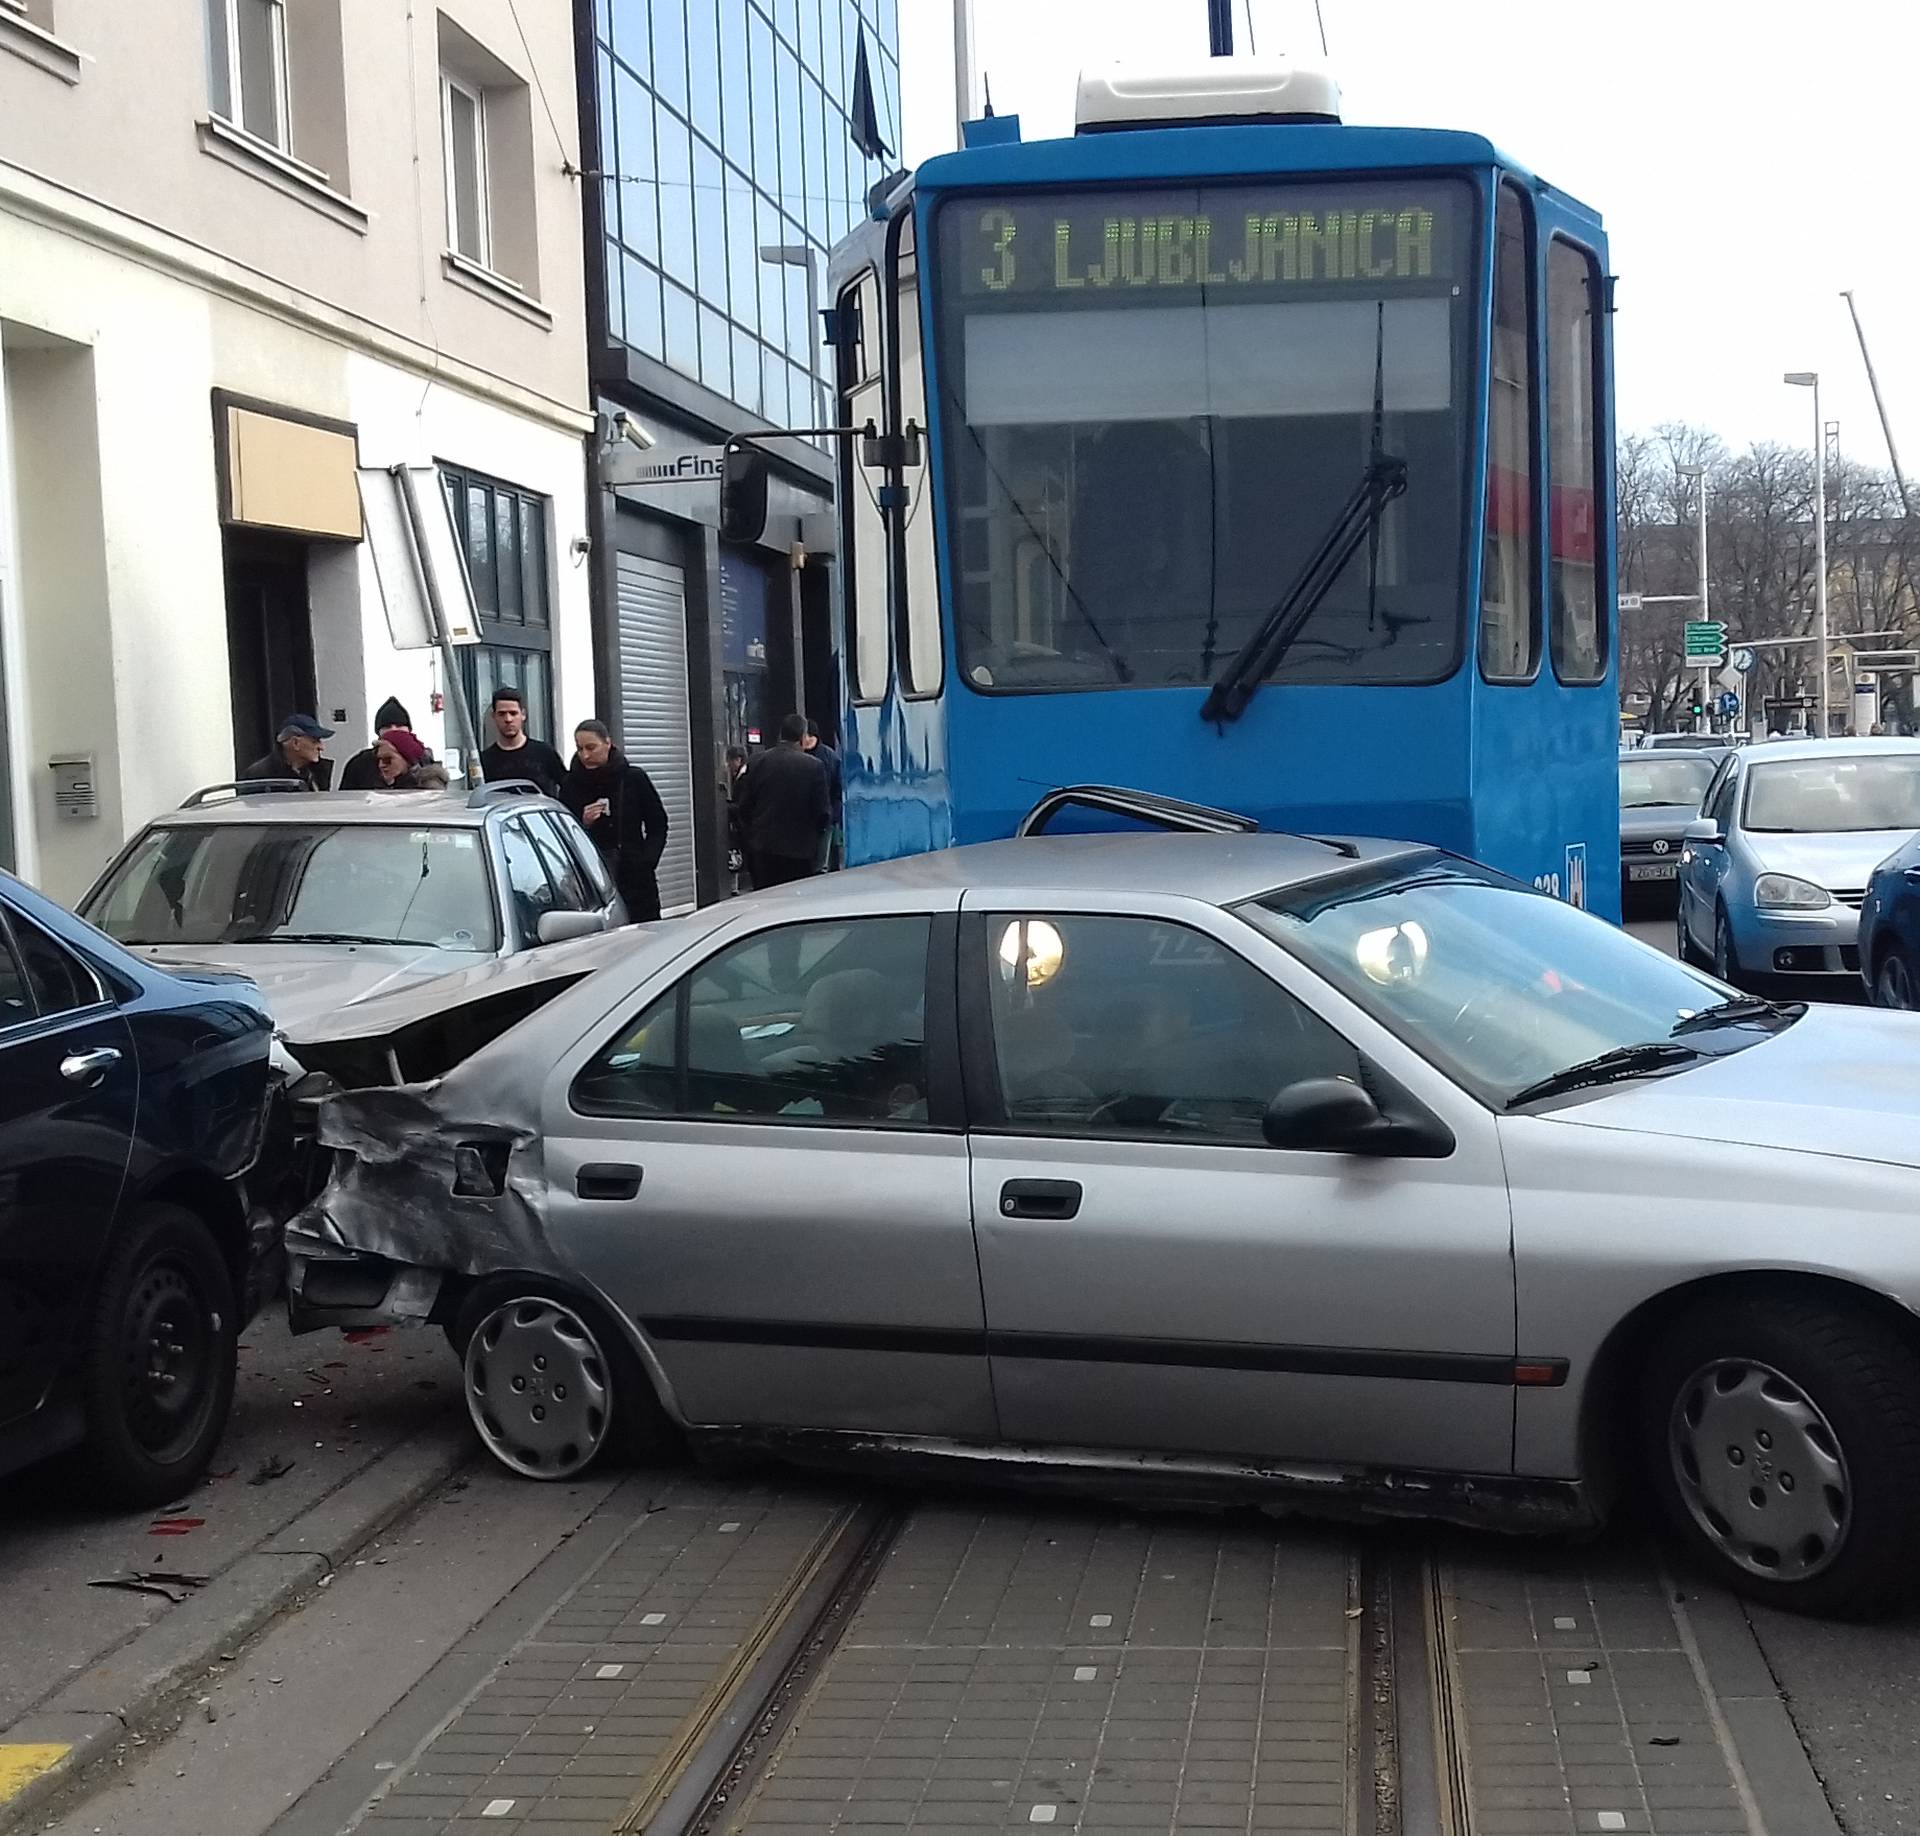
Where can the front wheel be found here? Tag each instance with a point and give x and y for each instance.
(550, 1386)
(160, 1359)
(1783, 1437)
(1726, 956)
(1894, 981)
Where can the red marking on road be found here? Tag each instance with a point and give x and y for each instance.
(174, 1526)
(365, 1335)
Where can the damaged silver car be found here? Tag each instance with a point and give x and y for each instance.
(1341, 1170)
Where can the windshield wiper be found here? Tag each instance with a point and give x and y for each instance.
(1613, 1067)
(1739, 1010)
(319, 937)
(1384, 479)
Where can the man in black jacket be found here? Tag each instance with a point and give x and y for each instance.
(297, 753)
(514, 754)
(783, 805)
(616, 802)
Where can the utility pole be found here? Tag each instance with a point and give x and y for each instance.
(1810, 379)
(962, 69)
(1698, 473)
(1880, 407)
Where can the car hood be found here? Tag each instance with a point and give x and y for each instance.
(1844, 861)
(1649, 821)
(1838, 1081)
(304, 983)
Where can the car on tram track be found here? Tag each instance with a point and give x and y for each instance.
(1334, 1171)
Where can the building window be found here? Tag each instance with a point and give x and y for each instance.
(486, 112)
(503, 534)
(469, 217)
(249, 54)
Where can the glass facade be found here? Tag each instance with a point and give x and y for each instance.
(725, 128)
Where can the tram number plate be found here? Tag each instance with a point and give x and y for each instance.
(1655, 870)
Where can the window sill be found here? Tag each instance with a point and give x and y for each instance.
(495, 287)
(262, 160)
(37, 46)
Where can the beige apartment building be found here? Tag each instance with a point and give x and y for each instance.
(290, 303)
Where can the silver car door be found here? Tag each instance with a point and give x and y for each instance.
(763, 1165)
(1156, 1276)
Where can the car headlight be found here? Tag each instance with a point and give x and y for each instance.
(1782, 892)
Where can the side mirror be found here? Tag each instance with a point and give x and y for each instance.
(1705, 830)
(1331, 1116)
(743, 494)
(561, 927)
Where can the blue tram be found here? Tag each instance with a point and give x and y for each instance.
(1267, 464)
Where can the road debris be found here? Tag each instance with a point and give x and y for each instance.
(272, 1467)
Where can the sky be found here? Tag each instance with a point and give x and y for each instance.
(1750, 160)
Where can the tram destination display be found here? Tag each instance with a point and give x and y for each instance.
(1076, 248)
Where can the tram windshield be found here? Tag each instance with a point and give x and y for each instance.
(1156, 403)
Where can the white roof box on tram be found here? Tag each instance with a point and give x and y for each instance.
(1218, 89)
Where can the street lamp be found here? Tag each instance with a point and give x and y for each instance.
(800, 255)
(1698, 473)
(1810, 379)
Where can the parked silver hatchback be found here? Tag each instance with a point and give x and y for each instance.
(1347, 1171)
(326, 899)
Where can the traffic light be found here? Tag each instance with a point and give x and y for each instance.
(1694, 706)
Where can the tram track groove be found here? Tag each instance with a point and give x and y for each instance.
(732, 1734)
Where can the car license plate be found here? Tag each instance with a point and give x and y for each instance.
(1655, 870)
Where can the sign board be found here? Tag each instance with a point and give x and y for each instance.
(628, 466)
(1789, 701)
(1729, 703)
(1630, 602)
(388, 498)
(1706, 639)
(1743, 658)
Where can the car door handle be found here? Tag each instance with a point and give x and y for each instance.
(1040, 1198)
(89, 1067)
(607, 1179)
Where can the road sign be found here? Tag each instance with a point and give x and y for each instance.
(1743, 658)
(1706, 640)
(1729, 703)
(1630, 602)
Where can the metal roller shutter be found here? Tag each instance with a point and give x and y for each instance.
(654, 730)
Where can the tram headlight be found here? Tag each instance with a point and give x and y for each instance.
(1031, 952)
(1394, 953)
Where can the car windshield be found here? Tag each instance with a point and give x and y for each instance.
(1498, 985)
(1156, 403)
(1834, 796)
(287, 882)
(1650, 783)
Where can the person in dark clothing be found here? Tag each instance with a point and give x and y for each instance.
(513, 754)
(616, 802)
(831, 843)
(391, 713)
(784, 809)
(297, 752)
(736, 840)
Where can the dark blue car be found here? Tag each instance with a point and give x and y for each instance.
(1890, 930)
(133, 1106)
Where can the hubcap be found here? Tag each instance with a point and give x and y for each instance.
(166, 1358)
(1895, 985)
(537, 1388)
(1760, 1469)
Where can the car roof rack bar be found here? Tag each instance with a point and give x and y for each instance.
(1143, 806)
(240, 787)
(482, 794)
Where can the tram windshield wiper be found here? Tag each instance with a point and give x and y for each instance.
(1614, 1067)
(1384, 479)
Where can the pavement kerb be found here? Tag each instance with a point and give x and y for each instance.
(1779, 1778)
(128, 1686)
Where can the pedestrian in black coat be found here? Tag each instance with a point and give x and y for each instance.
(784, 809)
(618, 806)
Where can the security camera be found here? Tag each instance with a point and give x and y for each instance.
(628, 429)
(580, 548)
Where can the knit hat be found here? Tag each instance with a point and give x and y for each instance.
(407, 744)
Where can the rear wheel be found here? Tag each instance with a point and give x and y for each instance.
(159, 1359)
(1783, 1437)
(551, 1387)
(1895, 983)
